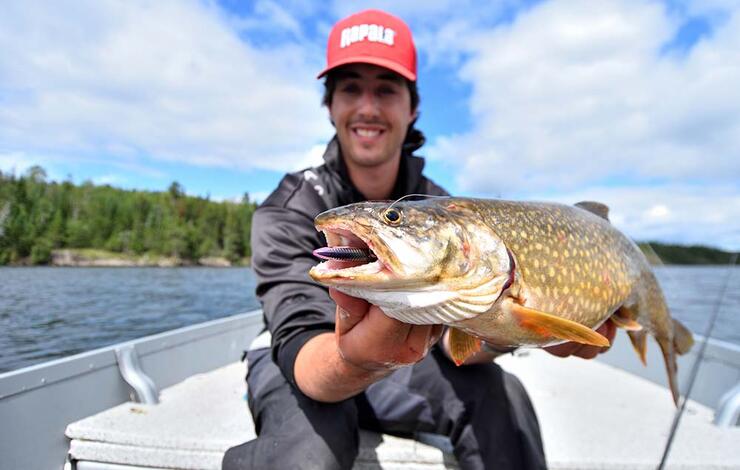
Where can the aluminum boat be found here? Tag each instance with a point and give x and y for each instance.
(176, 400)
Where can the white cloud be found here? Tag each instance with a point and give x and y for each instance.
(169, 80)
(429, 12)
(15, 163)
(314, 157)
(658, 212)
(110, 179)
(566, 95)
(581, 94)
(675, 213)
(269, 17)
(258, 196)
(574, 92)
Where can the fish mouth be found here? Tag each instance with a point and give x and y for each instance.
(350, 257)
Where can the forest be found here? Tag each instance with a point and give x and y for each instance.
(39, 216)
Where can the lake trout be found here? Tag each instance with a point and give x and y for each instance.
(507, 273)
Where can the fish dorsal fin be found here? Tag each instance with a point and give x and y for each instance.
(462, 345)
(547, 324)
(602, 210)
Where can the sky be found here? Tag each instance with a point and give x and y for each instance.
(632, 103)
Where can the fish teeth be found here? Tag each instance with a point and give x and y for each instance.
(333, 239)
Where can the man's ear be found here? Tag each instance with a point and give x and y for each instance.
(415, 117)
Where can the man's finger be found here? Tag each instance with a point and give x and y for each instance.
(563, 350)
(611, 331)
(418, 342)
(588, 352)
(437, 332)
(347, 302)
(350, 311)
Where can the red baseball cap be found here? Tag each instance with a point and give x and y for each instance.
(372, 37)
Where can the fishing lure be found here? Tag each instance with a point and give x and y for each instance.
(345, 253)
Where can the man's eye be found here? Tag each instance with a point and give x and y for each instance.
(350, 88)
(386, 91)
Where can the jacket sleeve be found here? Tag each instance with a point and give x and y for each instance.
(295, 308)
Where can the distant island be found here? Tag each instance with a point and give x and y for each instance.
(52, 223)
(62, 224)
(660, 253)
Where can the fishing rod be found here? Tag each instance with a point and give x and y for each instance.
(697, 362)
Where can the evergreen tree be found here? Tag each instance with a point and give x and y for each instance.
(37, 216)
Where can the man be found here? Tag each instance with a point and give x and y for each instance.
(336, 363)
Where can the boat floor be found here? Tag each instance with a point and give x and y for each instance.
(587, 423)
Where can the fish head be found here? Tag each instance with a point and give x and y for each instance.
(436, 247)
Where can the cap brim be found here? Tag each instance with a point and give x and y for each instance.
(388, 64)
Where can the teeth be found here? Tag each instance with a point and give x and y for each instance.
(367, 132)
(332, 239)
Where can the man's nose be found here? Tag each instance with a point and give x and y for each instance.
(368, 104)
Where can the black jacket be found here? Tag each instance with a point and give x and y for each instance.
(283, 239)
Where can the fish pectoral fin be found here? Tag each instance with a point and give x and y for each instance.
(547, 324)
(462, 345)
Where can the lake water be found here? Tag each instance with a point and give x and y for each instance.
(48, 313)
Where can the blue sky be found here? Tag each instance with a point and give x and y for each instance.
(632, 103)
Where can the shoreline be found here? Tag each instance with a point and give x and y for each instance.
(87, 258)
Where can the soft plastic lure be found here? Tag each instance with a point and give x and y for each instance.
(345, 253)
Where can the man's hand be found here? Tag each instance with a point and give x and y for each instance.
(366, 346)
(586, 351)
(371, 340)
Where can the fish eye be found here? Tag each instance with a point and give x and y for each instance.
(392, 216)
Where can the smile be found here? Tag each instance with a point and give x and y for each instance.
(367, 132)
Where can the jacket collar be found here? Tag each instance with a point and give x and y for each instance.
(409, 174)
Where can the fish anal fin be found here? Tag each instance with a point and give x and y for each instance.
(597, 208)
(462, 345)
(625, 319)
(546, 324)
(683, 340)
(639, 342)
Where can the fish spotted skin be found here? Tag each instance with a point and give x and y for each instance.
(568, 262)
(510, 273)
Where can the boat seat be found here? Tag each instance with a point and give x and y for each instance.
(592, 416)
(199, 418)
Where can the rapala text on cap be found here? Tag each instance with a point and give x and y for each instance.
(369, 32)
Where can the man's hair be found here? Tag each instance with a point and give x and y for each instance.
(330, 85)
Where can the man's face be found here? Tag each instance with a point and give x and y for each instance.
(371, 109)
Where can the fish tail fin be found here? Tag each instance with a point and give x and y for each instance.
(639, 342)
(683, 340)
(669, 356)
